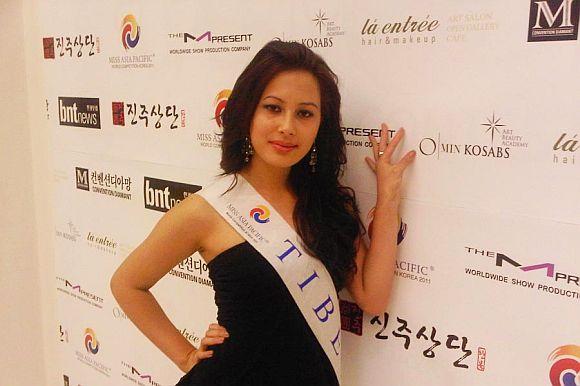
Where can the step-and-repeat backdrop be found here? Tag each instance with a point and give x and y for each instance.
(487, 288)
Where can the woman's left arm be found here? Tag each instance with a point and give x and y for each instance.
(371, 285)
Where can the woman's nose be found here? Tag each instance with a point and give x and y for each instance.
(286, 125)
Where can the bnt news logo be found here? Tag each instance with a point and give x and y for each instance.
(552, 20)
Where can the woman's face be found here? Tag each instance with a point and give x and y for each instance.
(286, 120)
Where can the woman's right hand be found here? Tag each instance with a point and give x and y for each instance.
(215, 334)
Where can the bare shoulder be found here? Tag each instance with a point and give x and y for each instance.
(215, 234)
(179, 233)
(195, 209)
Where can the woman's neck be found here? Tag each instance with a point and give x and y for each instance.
(270, 181)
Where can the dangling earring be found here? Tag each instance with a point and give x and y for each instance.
(313, 159)
(247, 149)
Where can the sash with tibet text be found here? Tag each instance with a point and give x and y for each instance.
(306, 277)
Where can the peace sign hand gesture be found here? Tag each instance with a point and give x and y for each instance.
(389, 174)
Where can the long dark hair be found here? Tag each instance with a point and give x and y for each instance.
(326, 214)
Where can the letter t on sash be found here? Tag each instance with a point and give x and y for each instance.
(289, 250)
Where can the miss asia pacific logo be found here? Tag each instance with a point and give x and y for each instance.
(553, 20)
(91, 342)
(502, 141)
(87, 357)
(565, 366)
(212, 137)
(260, 214)
(131, 38)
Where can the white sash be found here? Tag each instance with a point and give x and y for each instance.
(305, 277)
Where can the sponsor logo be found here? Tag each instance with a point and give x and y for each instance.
(260, 214)
(72, 46)
(244, 224)
(103, 183)
(405, 269)
(82, 178)
(502, 142)
(220, 102)
(481, 355)
(404, 32)
(565, 369)
(327, 31)
(552, 20)
(412, 271)
(565, 149)
(118, 313)
(103, 243)
(137, 376)
(210, 42)
(190, 336)
(77, 292)
(552, 282)
(62, 334)
(193, 270)
(358, 136)
(156, 114)
(91, 342)
(79, 112)
(48, 47)
(212, 137)
(92, 348)
(162, 195)
(407, 332)
(130, 38)
(70, 234)
(130, 32)
(351, 317)
(462, 25)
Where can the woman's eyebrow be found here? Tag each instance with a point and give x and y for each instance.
(301, 103)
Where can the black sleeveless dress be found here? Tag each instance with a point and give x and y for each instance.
(270, 342)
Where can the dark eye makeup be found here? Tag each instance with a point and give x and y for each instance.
(276, 108)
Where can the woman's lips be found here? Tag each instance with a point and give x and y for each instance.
(282, 147)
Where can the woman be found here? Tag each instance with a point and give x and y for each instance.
(282, 140)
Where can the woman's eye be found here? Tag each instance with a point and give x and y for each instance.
(271, 107)
(305, 113)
